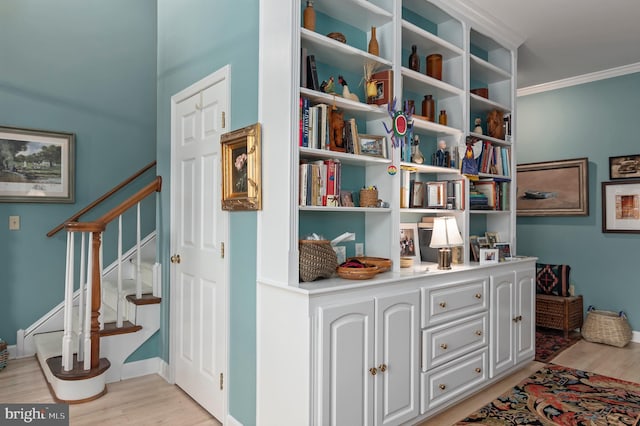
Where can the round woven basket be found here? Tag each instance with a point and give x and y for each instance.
(606, 327)
(317, 259)
(368, 198)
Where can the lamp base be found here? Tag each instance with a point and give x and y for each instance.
(444, 258)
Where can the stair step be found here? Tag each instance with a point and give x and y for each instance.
(146, 299)
(110, 328)
(78, 371)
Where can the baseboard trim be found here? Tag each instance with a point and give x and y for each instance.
(165, 372)
(635, 337)
(231, 421)
(141, 368)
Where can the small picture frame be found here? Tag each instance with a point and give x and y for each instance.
(417, 195)
(384, 88)
(241, 169)
(436, 196)
(372, 145)
(488, 256)
(504, 251)
(621, 207)
(409, 242)
(483, 242)
(346, 199)
(492, 238)
(475, 248)
(624, 167)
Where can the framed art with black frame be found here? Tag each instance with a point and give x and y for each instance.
(621, 207)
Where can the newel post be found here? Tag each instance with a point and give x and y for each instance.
(96, 294)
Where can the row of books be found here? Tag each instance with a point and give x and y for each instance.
(315, 128)
(494, 159)
(489, 195)
(320, 183)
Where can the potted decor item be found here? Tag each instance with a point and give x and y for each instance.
(370, 85)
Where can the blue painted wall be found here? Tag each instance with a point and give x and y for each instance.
(80, 66)
(196, 38)
(595, 120)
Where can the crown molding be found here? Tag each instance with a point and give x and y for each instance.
(580, 79)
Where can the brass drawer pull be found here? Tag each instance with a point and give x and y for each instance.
(442, 387)
(443, 305)
(478, 296)
(478, 332)
(373, 371)
(382, 367)
(444, 346)
(478, 370)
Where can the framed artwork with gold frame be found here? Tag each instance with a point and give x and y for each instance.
(242, 169)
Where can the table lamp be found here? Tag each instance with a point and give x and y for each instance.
(445, 235)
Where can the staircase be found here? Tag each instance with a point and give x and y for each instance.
(83, 343)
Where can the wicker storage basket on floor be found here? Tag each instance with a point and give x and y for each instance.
(559, 312)
(606, 327)
(4, 354)
(317, 259)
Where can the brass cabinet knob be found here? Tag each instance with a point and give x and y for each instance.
(444, 346)
(443, 304)
(478, 296)
(442, 387)
(373, 371)
(478, 332)
(383, 367)
(175, 258)
(478, 370)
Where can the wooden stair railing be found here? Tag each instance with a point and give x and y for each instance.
(96, 228)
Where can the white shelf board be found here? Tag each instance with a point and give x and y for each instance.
(481, 105)
(346, 158)
(494, 141)
(427, 42)
(345, 209)
(485, 71)
(361, 14)
(359, 109)
(425, 168)
(421, 83)
(431, 128)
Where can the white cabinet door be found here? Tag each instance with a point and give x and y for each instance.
(525, 308)
(397, 358)
(503, 318)
(346, 358)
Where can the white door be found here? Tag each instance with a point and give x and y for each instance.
(199, 229)
(346, 365)
(397, 354)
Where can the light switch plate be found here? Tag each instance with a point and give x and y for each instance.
(14, 223)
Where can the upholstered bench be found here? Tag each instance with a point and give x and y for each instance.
(555, 308)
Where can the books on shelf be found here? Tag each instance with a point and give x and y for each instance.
(494, 159)
(314, 125)
(489, 195)
(319, 183)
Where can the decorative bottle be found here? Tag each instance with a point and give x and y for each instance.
(414, 60)
(374, 49)
(429, 108)
(309, 17)
(434, 66)
(416, 154)
(442, 119)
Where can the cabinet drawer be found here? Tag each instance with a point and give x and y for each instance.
(452, 380)
(446, 342)
(453, 301)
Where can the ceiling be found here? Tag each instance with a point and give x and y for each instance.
(568, 38)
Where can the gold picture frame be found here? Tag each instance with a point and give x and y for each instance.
(242, 169)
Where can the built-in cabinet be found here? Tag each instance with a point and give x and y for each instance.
(431, 337)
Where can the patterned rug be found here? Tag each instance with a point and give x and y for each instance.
(549, 343)
(557, 395)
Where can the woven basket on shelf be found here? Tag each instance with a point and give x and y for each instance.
(317, 259)
(368, 198)
(606, 327)
(4, 354)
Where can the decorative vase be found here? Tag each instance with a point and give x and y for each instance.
(429, 108)
(414, 60)
(416, 154)
(434, 66)
(309, 17)
(442, 119)
(374, 49)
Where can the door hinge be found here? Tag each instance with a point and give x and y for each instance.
(221, 381)
(223, 120)
(222, 250)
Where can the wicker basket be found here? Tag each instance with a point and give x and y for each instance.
(606, 327)
(368, 198)
(317, 259)
(559, 312)
(4, 354)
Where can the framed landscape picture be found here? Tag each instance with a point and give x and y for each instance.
(553, 188)
(36, 166)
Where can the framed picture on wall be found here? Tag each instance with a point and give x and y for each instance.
(624, 167)
(553, 188)
(36, 166)
(241, 169)
(621, 207)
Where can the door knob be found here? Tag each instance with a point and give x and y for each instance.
(383, 367)
(175, 258)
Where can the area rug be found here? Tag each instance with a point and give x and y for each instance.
(549, 343)
(557, 395)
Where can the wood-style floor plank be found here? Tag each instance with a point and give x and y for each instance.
(150, 400)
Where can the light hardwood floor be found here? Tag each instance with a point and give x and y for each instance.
(150, 400)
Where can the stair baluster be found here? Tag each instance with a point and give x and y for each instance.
(138, 255)
(81, 295)
(119, 300)
(67, 339)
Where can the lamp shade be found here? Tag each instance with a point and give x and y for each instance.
(445, 233)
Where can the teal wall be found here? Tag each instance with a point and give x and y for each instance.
(80, 66)
(196, 38)
(595, 120)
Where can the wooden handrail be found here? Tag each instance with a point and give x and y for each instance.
(154, 186)
(106, 195)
